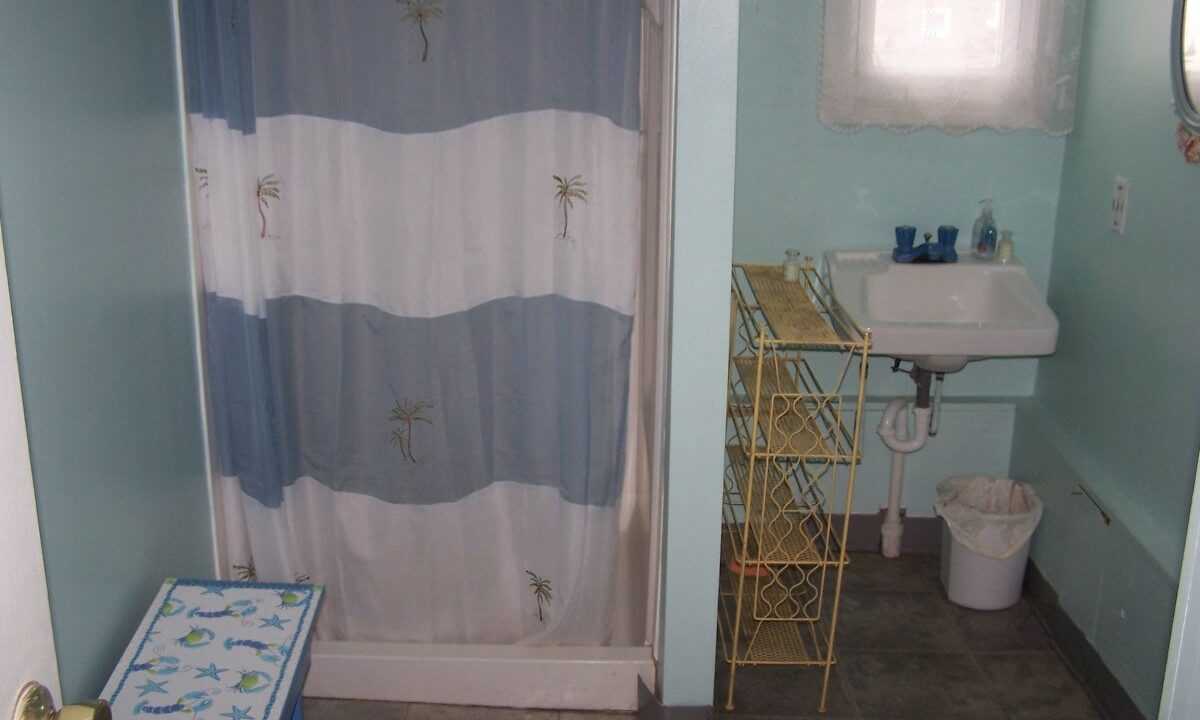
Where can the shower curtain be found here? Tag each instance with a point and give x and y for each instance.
(417, 224)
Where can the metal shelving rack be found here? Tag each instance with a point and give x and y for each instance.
(791, 454)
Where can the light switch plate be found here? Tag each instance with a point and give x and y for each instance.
(1120, 205)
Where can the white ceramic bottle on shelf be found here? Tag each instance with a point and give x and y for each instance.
(791, 266)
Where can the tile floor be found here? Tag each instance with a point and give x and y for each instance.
(905, 651)
(319, 709)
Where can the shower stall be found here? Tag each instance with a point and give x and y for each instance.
(433, 243)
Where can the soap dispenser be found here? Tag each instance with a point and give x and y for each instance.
(983, 235)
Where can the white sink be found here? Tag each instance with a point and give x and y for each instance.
(941, 316)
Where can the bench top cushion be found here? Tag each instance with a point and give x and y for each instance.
(217, 649)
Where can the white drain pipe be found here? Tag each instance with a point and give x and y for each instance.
(895, 436)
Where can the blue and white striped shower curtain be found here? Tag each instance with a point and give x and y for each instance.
(418, 226)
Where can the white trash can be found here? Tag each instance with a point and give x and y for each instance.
(985, 538)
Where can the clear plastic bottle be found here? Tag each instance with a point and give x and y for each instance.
(983, 235)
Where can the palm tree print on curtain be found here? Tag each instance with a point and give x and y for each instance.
(407, 414)
(202, 191)
(542, 592)
(268, 189)
(247, 573)
(566, 192)
(418, 12)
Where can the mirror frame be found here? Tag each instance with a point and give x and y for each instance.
(1184, 106)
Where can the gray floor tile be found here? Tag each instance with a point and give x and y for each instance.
(1036, 686)
(421, 711)
(781, 690)
(814, 716)
(595, 715)
(918, 686)
(903, 621)
(1014, 629)
(908, 573)
(329, 709)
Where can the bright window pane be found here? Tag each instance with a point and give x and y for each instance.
(938, 36)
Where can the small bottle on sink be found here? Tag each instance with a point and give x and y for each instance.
(983, 235)
(1004, 249)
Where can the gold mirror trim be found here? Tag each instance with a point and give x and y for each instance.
(1185, 105)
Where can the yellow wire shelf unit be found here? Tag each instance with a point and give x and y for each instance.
(791, 454)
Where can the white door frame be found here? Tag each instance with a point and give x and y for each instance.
(28, 652)
(1181, 683)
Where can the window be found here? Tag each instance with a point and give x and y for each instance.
(953, 64)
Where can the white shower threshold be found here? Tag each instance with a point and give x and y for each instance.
(521, 676)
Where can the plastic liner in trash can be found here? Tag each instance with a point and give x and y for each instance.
(991, 516)
(985, 544)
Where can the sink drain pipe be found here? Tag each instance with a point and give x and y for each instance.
(893, 430)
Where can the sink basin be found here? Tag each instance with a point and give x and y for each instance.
(942, 316)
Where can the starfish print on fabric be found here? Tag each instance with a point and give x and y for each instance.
(238, 714)
(274, 621)
(152, 687)
(211, 671)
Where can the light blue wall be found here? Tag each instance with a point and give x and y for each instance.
(1129, 341)
(802, 185)
(92, 200)
(1118, 407)
(706, 96)
(973, 439)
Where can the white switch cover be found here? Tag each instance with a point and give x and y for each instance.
(1120, 205)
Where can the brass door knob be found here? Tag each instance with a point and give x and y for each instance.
(35, 702)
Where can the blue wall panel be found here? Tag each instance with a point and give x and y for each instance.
(92, 200)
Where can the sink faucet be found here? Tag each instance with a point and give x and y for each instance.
(941, 251)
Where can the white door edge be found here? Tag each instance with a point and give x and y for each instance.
(1181, 683)
(28, 652)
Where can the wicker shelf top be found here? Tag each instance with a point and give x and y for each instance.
(788, 308)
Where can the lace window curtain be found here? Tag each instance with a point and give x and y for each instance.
(957, 65)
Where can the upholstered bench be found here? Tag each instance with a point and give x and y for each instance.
(210, 649)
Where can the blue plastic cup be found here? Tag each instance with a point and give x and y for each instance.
(947, 235)
(906, 235)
